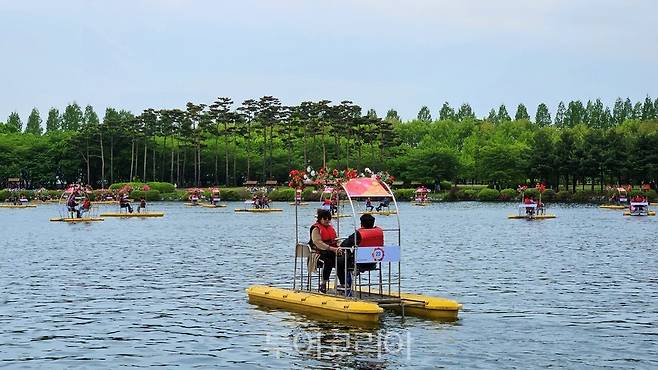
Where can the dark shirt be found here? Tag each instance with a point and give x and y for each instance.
(349, 242)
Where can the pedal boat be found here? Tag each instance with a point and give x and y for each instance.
(644, 211)
(367, 302)
(523, 214)
(259, 210)
(18, 206)
(613, 206)
(208, 205)
(382, 213)
(132, 215)
(76, 220)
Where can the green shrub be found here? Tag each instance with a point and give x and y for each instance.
(488, 195)
(508, 194)
(4, 195)
(467, 194)
(173, 196)
(404, 194)
(548, 195)
(651, 195)
(634, 193)
(452, 195)
(583, 196)
(235, 194)
(563, 196)
(445, 185)
(282, 194)
(162, 187)
(531, 192)
(307, 195)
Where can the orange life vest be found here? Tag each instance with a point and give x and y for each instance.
(327, 202)
(371, 237)
(327, 234)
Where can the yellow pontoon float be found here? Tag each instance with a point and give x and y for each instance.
(253, 208)
(210, 205)
(367, 294)
(76, 220)
(132, 215)
(18, 206)
(531, 212)
(619, 200)
(381, 213)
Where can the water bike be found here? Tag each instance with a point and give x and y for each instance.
(18, 206)
(372, 286)
(70, 206)
(639, 209)
(420, 197)
(250, 206)
(530, 211)
(619, 200)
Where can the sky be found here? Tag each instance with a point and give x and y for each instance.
(380, 54)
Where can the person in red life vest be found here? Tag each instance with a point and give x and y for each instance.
(326, 204)
(124, 202)
(86, 206)
(324, 245)
(367, 236)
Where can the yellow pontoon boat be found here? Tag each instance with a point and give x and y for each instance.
(75, 220)
(132, 215)
(17, 206)
(381, 213)
(369, 292)
(612, 206)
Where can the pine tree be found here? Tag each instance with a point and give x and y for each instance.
(465, 112)
(637, 111)
(543, 116)
(14, 123)
(392, 116)
(560, 115)
(371, 113)
(54, 120)
(446, 112)
(618, 112)
(34, 123)
(72, 117)
(521, 113)
(502, 114)
(648, 110)
(492, 117)
(424, 114)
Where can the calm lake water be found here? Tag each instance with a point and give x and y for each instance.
(579, 291)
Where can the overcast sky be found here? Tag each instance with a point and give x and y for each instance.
(380, 54)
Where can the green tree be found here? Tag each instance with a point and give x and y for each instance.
(465, 112)
(648, 110)
(446, 112)
(521, 113)
(492, 117)
(371, 113)
(560, 115)
(54, 121)
(637, 110)
(543, 116)
(424, 114)
(575, 113)
(72, 117)
(14, 123)
(502, 115)
(34, 123)
(392, 116)
(619, 112)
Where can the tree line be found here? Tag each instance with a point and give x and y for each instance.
(223, 143)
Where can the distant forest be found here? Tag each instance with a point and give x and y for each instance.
(223, 143)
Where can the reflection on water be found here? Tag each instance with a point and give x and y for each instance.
(577, 291)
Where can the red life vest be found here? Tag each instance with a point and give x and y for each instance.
(327, 202)
(327, 234)
(371, 237)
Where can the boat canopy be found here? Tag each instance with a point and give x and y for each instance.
(423, 190)
(364, 187)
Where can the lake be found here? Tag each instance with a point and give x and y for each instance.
(578, 291)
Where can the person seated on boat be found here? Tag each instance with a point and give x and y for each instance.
(85, 207)
(334, 204)
(124, 202)
(540, 207)
(72, 205)
(142, 205)
(383, 204)
(368, 235)
(194, 198)
(369, 205)
(324, 246)
(326, 204)
(266, 202)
